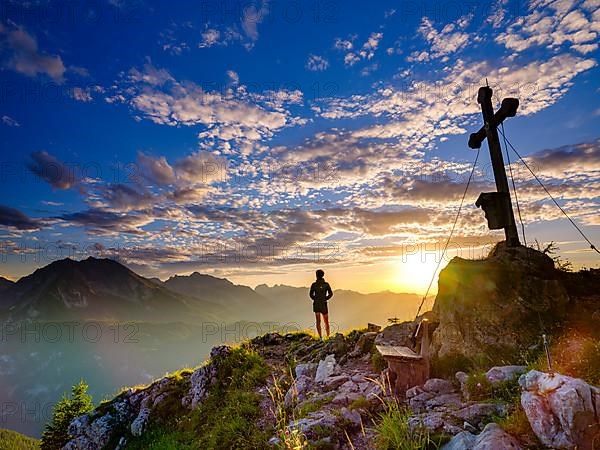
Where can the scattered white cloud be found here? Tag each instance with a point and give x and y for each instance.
(442, 43)
(210, 37)
(555, 24)
(81, 94)
(316, 63)
(344, 44)
(230, 115)
(253, 16)
(365, 52)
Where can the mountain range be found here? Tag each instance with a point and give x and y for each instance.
(106, 290)
(98, 320)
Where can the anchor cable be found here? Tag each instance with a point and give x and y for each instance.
(450, 235)
(592, 246)
(512, 178)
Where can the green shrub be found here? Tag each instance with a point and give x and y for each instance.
(393, 432)
(227, 416)
(377, 361)
(517, 424)
(305, 408)
(446, 366)
(160, 438)
(479, 387)
(225, 419)
(360, 403)
(56, 433)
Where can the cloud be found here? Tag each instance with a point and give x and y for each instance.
(496, 19)
(231, 115)
(156, 170)
(125, 198)
(51, 170)
(564, 162)
(252, 17)
(344, 44)
(15, 219)
(210, 37)
(423, 111)
(149, 75)
(365, 52)
(9, 121)
(201, 168)
(26, 57)
(316, 63)
(81, 94)
(555, 24)
(443, 43)
(99, 221)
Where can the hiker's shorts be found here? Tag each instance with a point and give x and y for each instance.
(320, 307)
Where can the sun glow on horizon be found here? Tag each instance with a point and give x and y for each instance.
(415, 271)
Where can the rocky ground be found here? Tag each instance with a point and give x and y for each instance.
(334, 394)
(332, 397)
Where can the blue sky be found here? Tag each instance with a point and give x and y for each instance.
(256, 140)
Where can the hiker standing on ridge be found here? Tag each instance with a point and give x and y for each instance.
(321, 292)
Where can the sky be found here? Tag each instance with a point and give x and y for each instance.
(261, 140)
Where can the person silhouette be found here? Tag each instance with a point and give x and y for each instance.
(320, 293)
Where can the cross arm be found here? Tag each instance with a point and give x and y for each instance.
(507, 109)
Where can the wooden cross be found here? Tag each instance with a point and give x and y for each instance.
(496, 205)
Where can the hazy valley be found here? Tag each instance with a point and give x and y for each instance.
(95, 319)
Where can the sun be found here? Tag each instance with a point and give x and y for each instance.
(415, 271)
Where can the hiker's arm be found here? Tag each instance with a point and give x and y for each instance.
(329, 293)
(312, 292)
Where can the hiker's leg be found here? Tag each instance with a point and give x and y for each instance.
(318, 320)
(326, 319)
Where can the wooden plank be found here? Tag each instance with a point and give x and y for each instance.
(389, 351)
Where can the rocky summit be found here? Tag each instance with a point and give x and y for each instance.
(490, 384)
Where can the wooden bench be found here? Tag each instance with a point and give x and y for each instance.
(406, 368)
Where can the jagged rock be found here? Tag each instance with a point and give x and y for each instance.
(314, 419)
(298, 390)
(346, 397)
(462, 441)
(371, 327)
(499, 374)
(334, 382)
(308, 369)
(397, 334)
(351, 416)
(326, 368)
(486, 307)
(563, 411)
(435, 422)
(426, 401)
(121, 444)
(477, 413)
(90, 436)
(495, 375)
(141, 421)
(364, 344)
(491, 438)
(203, 378)
(438, 386)
(413, 392)
(438, 406)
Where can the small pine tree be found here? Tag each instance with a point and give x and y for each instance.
(56, 433)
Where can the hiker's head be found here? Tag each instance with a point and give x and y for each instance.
(320, 274)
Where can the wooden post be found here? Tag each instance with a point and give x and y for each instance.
(489, 131)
